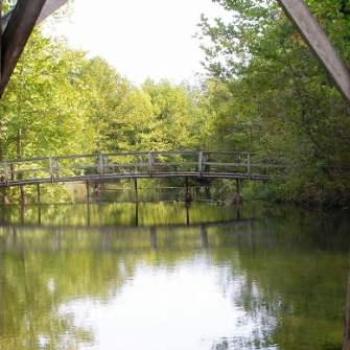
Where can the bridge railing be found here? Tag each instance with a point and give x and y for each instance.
(77, 167)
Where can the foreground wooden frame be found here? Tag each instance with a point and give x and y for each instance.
(28, 13)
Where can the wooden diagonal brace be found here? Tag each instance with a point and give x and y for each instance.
(50, 7)
(317, 39)
(17, 32)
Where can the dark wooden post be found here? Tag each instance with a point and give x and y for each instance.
(21, 209)
(188, 196)
(38, 194)
(237, 198)
(87, 184)
(137, 214)
(136, 190)
(22, 195)
(188, 222)
(238, 186)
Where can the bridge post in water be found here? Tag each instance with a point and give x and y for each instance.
(188, 221)
(39, 214)
(188, 196)
(38, 194)
(237, 198)
(137, 214)
(87, 184)
(22, 195)
(136, 190)
(21, 213)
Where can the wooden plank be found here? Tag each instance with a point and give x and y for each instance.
(319, 42)
(16, 35)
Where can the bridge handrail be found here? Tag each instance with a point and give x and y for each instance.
(143, 163)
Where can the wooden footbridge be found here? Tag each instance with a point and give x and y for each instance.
(109, 167)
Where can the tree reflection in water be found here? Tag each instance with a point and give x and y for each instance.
(277, 282)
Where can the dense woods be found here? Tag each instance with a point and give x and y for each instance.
(265, 93)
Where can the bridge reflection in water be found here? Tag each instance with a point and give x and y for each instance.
(19, 220)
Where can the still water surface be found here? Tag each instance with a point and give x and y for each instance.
(160, 277)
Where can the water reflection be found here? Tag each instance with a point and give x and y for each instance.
(270, 280)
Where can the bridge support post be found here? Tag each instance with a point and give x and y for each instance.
(38, 194)
(238, 186)
(39, 215)
(137, 214)
(136, 190)
(22, 195)
(188, 196)
(21, 213)
(188, 221)
(87, 184)
(237, 198)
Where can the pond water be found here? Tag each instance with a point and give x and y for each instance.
(165, 277)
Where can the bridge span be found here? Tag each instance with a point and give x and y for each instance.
(109, 167)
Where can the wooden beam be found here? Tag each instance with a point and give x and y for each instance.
(317, 39)
(50, 7)
(16, 35)
(0, 34)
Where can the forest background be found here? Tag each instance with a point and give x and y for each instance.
(264, 93)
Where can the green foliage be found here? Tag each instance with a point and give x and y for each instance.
(60, 102)
(272, 97)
